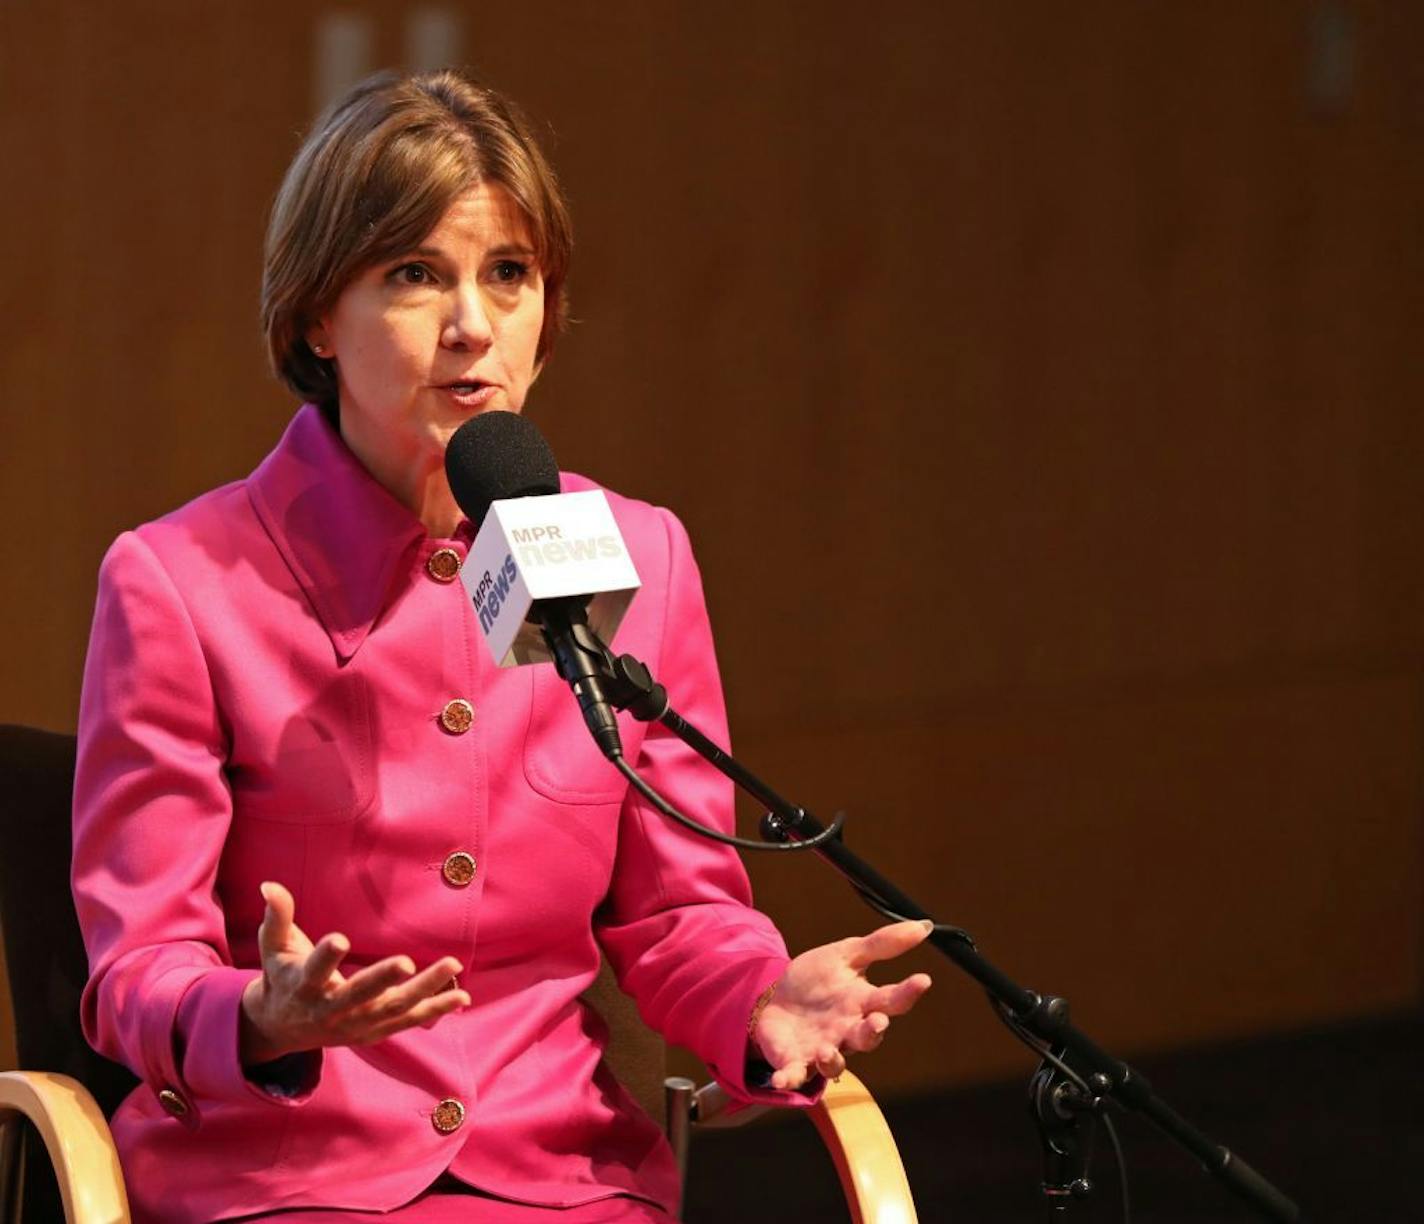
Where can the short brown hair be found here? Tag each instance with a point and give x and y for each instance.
(373, 177)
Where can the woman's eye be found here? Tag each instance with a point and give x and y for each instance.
(510, 271)
(413, 274)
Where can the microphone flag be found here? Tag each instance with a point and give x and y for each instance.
(557, 546)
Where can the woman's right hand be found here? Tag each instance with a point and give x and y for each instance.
(302, 1001)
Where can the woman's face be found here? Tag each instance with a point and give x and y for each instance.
(427, 340)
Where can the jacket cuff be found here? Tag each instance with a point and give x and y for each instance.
(160, 1042)
(208, 1035)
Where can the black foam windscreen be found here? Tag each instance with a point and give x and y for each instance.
(497, 455)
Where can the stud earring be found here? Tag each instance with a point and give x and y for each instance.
(319, 349)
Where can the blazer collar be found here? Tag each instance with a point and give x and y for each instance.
(341, 533)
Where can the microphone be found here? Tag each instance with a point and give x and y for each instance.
(548, 574)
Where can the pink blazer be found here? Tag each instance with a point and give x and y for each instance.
(263, 699)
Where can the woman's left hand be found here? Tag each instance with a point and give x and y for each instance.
(823, 1006)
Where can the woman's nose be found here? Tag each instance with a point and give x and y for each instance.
(468, 324)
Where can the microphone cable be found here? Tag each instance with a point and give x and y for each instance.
(641, 785)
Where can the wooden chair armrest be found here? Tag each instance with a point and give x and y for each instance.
(855, 1134)
(80, 1147)
(860, 1143)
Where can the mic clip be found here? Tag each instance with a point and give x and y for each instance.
(630, 686)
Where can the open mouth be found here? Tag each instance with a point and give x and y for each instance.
(470, 395)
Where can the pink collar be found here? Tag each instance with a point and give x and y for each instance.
(341, 533)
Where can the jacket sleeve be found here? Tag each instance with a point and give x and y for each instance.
(678, 925)
(151, 813)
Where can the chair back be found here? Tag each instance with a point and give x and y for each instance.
(44, 952)
(636, 1055)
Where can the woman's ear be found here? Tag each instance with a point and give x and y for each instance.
(318, 341)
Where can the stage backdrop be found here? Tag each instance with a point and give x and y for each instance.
(1037, 382)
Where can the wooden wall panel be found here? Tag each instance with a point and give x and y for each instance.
(1039, 383)
(1183, 864)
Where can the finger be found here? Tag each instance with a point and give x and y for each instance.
(429, 981)
(427, 1014)
(868, 1034)
(374, 980)
(889, 941)
(897, 998)
(276, 929)
(830, 1062)
(789, 1077)
(320, 964)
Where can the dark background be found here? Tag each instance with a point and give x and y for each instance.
(1037, 381)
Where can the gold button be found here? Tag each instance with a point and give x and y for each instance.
(457, 716)
(172, 1103)
(458, 869)
(449, 1116)
(443, 565)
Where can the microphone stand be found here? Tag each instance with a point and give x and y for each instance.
(1076, 1077)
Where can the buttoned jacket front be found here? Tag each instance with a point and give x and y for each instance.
(268, 696)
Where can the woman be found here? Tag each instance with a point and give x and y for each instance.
(288, 726)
